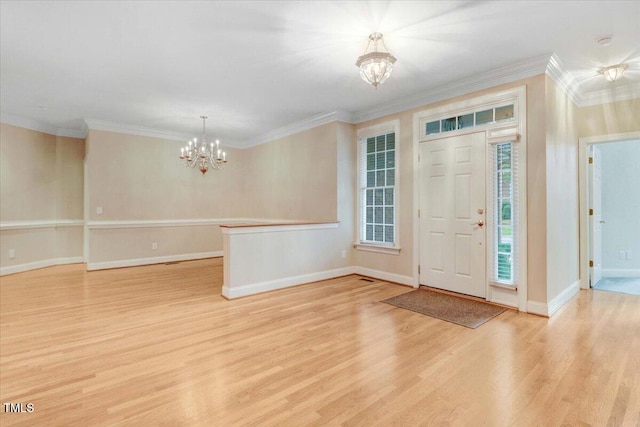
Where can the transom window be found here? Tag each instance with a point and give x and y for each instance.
(378, 189)
(501, 114)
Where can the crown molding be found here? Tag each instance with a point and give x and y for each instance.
(95, 124)
(302, 125)
(612, 94)
(548, 64)
(501, 75)
(564, 80)
(39, 126)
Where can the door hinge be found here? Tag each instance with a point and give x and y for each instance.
(418, 213)
(590, 263)
(418, 158)
(590, 211)
(590, 160)
(418, 269)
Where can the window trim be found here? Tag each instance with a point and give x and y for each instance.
(492, 214)
(362, 134)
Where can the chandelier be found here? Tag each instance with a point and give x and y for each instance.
(375, 65)
(202, 154)
(613, 72)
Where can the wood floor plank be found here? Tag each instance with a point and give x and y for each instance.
(158, 345)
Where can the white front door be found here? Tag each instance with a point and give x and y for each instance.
(452, 214)
(595, 213)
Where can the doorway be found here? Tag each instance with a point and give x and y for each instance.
(610, 206)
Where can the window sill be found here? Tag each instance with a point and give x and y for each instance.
(389, 250)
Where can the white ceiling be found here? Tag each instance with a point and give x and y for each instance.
(254, 67)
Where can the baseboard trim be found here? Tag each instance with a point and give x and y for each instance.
(563, 297)
(388, 277)
(549, 309)
(620, 272)
(91, 266)
(285, 282)
(20, 268)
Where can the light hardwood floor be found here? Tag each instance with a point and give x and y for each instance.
(158, 345)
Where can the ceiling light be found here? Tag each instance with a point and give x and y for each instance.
(375, 65)
(204, 155)
(613, 72)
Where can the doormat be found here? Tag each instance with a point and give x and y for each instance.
(458, 310)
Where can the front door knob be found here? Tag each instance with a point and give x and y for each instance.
(479, 223)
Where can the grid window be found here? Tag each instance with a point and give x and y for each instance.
(477, 118)
(378, 167)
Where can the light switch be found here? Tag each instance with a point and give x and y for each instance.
(99, 210)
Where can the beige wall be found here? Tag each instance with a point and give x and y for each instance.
(41, 180)
(28, 174)
(347, 150)
(141, 178)
(610, 118)
(138, 178)
(562, 191)
(294, 177)
(536, 186)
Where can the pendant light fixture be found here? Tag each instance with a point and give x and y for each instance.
(203, 154)
(375, 64)
(613, 72)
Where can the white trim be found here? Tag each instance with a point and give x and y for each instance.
(300, 126)
(503, 295)
(361, 135)
(620, 272)
(388, 277)
(19, 268)
(277, 228)
(519, 97)
(152, 260)
(286, 282)
(102, 125)
(153, 223)
(611, 94)
(501, 75)
(502, 134)
(564, 297)
(389, 250)
(100, 225)
(548, 64)
(549, 309)
(379, 129)
(583, 165)
(564, 80)
(539, 308)
(46, 223)
(27, 123)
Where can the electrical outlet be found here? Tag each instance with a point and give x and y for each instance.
(344, 254)
(628, 253)
(621, 255)
(99, 210)
(154, 246)
(12, 253)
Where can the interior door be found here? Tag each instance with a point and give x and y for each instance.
(452, 214)
(595, 214)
